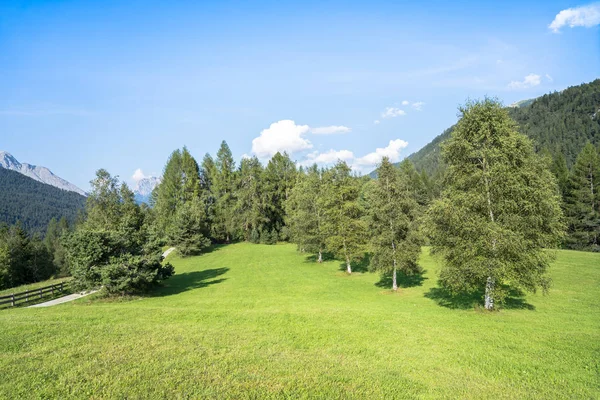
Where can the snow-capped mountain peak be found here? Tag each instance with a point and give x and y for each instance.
(144, 187)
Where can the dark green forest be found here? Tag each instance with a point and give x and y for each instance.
(558, 123)
(34, 203)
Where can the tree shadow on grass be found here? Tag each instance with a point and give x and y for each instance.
(515, 299)
(403, 280)
(361, 266)
(312, 258)
(179, 283)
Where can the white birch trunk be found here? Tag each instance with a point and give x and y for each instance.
(348, 267)
(489, 294)
(320, 260)
(394, 281)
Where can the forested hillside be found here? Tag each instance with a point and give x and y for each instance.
(560, 122)
(34, 203)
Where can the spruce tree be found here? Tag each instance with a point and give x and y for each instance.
(393, 227)
(583, 201)
(499, 210)
(224, 181)
(278, 181)
(249, 208)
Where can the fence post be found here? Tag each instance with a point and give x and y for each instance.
(26, 295)
(40, 293)
(61, 286)
(12, 299)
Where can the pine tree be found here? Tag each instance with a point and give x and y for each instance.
(393, 212)
(499, 210)
(343, 223)
(583, 201)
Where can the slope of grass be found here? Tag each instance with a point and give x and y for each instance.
(254, 321)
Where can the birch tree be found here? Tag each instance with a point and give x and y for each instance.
(343, 222)
(393, 211)
(499, 210)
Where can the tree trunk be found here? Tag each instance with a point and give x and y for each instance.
(320, 260)
(489, 294)
(348, 267)
(394, 281)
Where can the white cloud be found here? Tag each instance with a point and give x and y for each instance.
(377, 122)
(392, 112)
(586, 16)
(329, 157)
(246, 156)
(549, 78)
(281, 136)
(530, 80)
(330, 130)
(418, 105)
(393, 150)
(138, 175)
(405, 102)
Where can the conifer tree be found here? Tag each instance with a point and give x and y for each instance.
(583, 201)
(304, 209)
(278, 181)
(499, 210)
(249, 208)
(343, 223)
(393, 211)
(224, 181)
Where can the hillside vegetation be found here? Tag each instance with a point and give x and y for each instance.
(257, 321)
(33, 203)
(560, 122)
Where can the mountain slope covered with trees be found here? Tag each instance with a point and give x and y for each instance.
(559, 123)
(34, 203)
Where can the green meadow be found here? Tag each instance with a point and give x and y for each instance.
(257, 321)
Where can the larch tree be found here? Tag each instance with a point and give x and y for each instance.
(249, 208)
(583, 201)
(304, 210)
(393, 223)
(343, 223)
(224, 182)
(499, 210)
(278, 180)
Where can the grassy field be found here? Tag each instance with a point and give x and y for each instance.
(254, 321)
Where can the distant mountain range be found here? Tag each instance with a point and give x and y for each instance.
(40, 174)
(144, 187)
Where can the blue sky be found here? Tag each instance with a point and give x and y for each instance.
(119, 85)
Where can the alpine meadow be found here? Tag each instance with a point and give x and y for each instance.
(348, 253)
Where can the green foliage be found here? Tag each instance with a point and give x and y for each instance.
(343, 223)
(393, 226)
(34, 203)
(112, 247)
(223, 190)
(189, 231)
(499, 209)
(583, 201)
(249, 209)
(305, 212)
(24, 258)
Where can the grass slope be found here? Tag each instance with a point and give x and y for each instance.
(254, 321)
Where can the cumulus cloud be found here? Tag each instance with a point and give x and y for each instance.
(392, 112)
(530, 80)
(392, 150)
(281, 136)
(586, 16)
(418, 105)
(138, 175)
(330, 130)
(405, 102)
(329, 157)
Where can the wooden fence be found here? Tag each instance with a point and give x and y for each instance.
(32, 294)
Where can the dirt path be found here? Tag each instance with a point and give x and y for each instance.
(64, 299)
